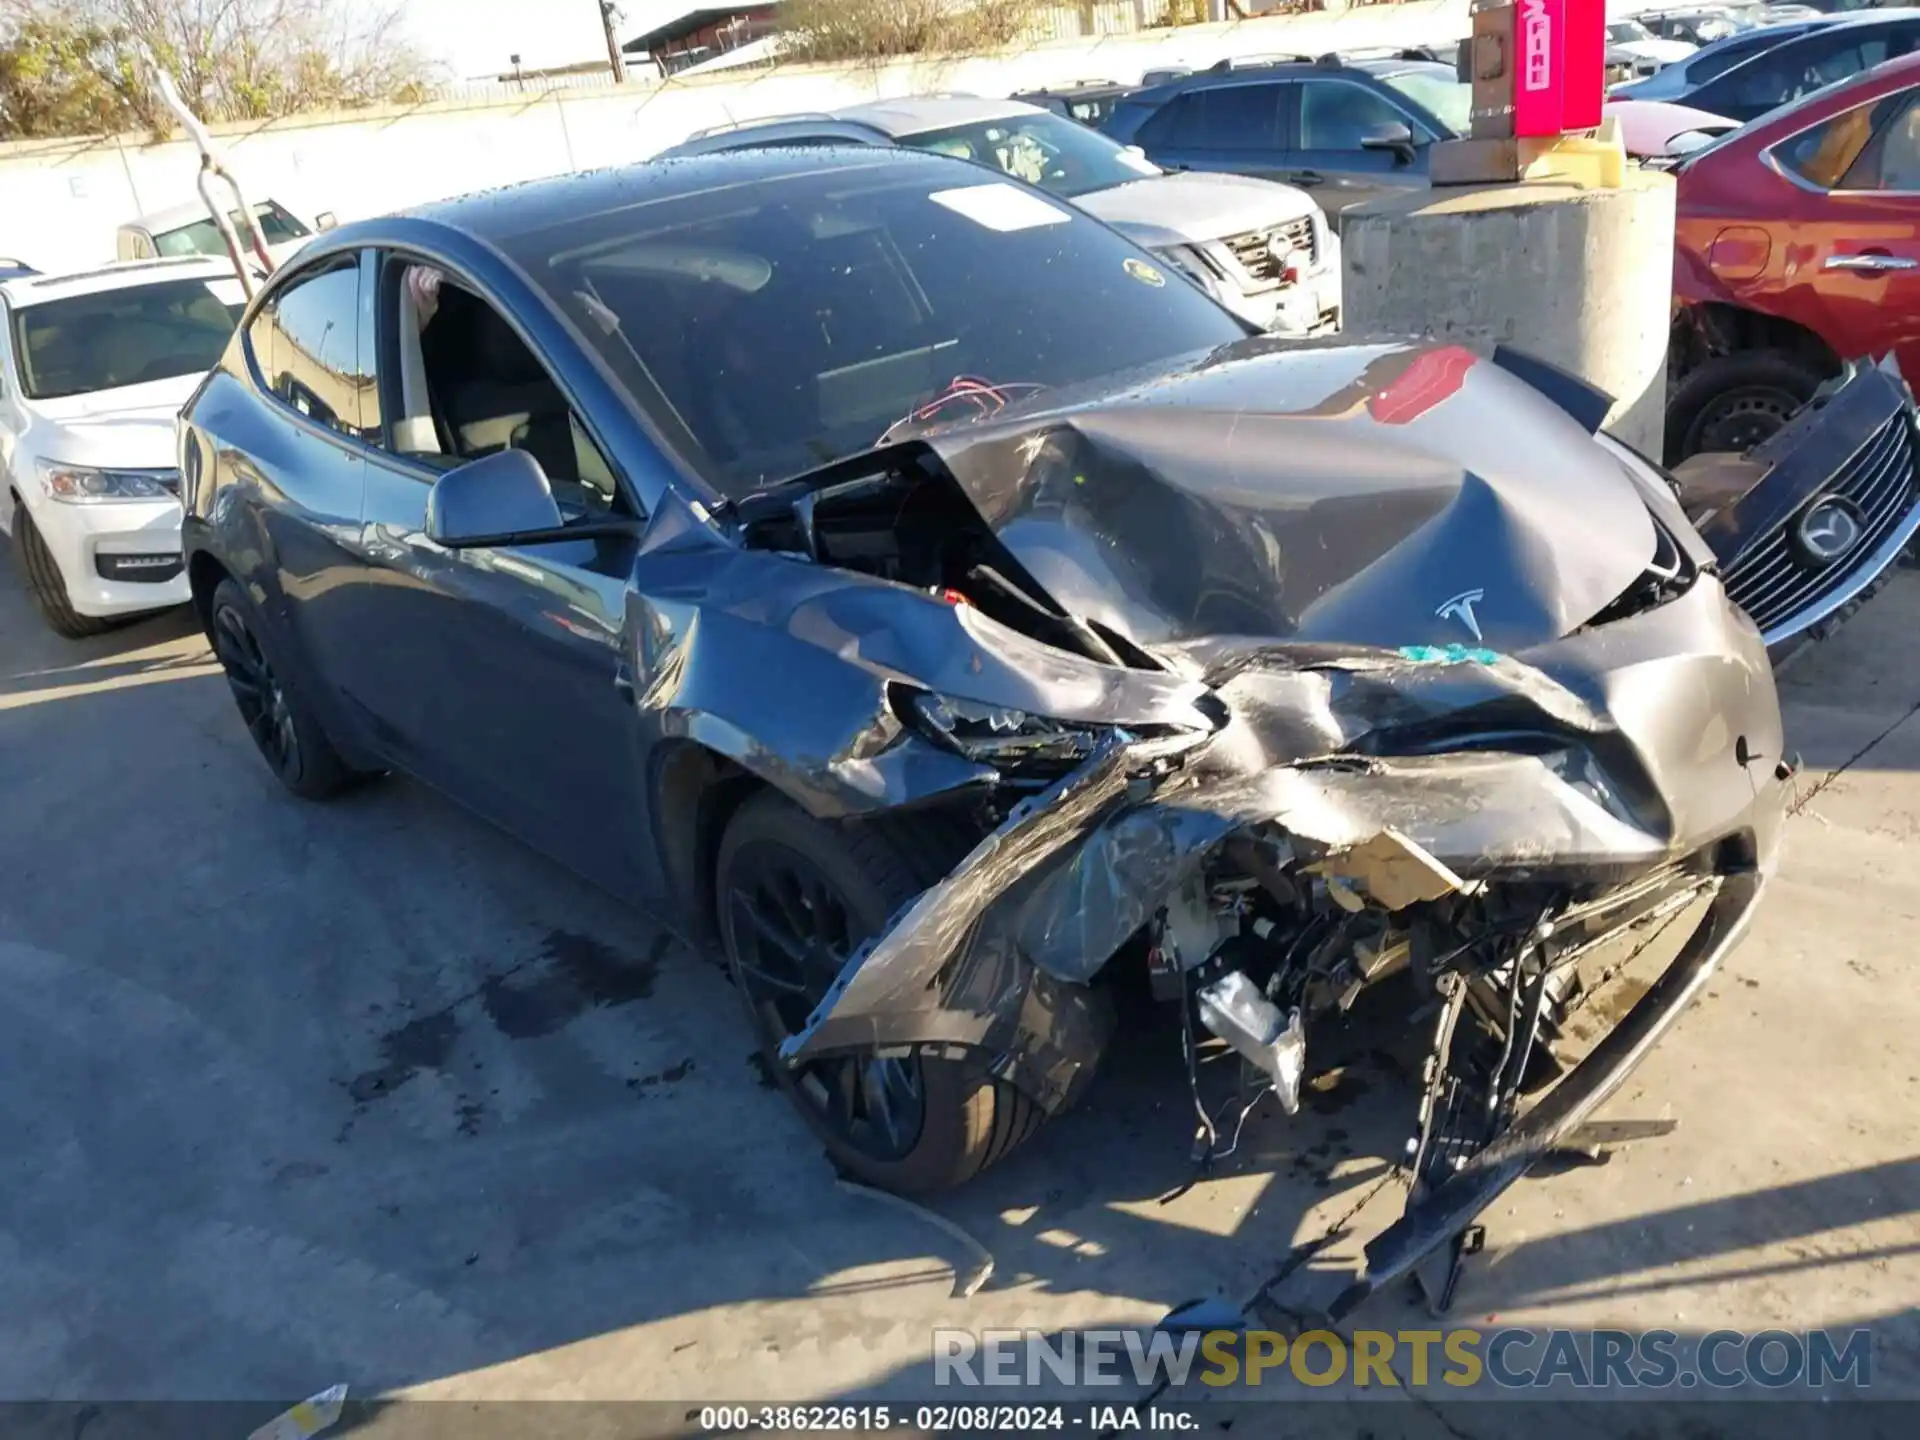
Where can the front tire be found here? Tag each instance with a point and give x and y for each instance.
(45, 585)
(1734, 402)
(287, 734)
(795, 898)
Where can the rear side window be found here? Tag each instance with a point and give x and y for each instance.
(1225, 117)
(1823, 155)
(1795, 70)
(1891, 158)
(1129, 116)
(306, 341)
(1707, 67)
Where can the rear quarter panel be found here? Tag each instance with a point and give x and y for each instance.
(276, 507)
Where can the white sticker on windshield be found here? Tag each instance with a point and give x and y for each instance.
(1001, 207)
(228, 292)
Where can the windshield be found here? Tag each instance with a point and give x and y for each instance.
(122, 337)
(1441, 92)
(202, 237)
(775, 327)
(1627, 32)
(1047, 150)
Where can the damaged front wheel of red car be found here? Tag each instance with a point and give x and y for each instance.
(795, 898)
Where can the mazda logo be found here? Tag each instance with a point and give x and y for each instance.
(1828, 531)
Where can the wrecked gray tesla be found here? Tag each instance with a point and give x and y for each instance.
(891, 573)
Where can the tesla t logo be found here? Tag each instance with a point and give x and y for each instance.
(1460, 608)
(1536, 45)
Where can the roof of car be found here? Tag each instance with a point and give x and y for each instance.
(1376, 67)
(121, 275)
(1074, 88)
(1864, 17)
(1387, 69)
(915, 114)
(514, 210)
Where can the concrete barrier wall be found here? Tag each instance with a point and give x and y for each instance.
(60, 201)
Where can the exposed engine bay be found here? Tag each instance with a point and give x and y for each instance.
(911, 524)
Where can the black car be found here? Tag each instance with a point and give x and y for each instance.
(1680, 79)
(1703, 26)
(1347, 130)
(1800, 66)
(884, 570)
(1091, 102)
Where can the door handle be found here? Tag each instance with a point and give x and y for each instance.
(1308, 177)
(1872, 261)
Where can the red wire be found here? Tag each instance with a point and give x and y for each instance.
(987, 398)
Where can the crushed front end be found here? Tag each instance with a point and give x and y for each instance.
(1289, 676)
(1473, 823)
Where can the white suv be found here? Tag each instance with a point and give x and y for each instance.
(1262, 249)
(94, 368)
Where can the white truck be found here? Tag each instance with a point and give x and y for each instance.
(190, 230)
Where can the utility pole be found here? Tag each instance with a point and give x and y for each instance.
(609, 14)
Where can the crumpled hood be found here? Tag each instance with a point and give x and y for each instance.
(1384, 495)
(1168, 209)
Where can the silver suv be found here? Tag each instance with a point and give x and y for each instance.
(1262, 249)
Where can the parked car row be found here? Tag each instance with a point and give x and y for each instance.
(1265, 251)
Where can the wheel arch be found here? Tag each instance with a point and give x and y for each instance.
(204, 574)
(1710, 328)
(694, 791)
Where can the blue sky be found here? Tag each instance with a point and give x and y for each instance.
(476, 37)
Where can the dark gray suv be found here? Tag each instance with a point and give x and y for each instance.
(1344, 130)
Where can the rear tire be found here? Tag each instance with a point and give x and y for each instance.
(1734, 402)
(911, 1126)
(45, 585)
(284, 728)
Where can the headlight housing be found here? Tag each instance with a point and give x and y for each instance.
(87, 485)
(1193, 263)
(996, 734)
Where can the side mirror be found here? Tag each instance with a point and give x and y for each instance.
(499, 495)
(325, 221)
(1688, 141)
(1395, 136)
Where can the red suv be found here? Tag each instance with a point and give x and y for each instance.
(1798, 248)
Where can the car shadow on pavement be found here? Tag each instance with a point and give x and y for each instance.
(34, 657)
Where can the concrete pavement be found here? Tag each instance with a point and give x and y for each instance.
(368, 1092)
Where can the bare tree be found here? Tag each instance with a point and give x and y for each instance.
(68, 62)
(842, 30)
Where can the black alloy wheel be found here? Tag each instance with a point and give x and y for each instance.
(792, 933)
(257, 691)
(289, 739)
(795, 898)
